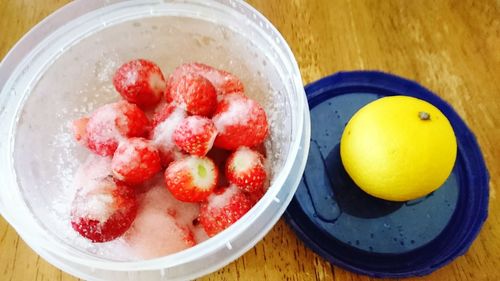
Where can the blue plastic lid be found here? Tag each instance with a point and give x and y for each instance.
(371, 236)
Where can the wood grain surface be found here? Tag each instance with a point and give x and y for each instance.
(450, 47)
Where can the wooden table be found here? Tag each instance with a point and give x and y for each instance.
(451, 47)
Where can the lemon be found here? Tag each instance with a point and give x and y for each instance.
(398, 148)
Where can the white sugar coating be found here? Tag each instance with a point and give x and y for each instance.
(162, 223)
(80, 80)
(93, 199)
(218, 201)
(127, 155)
(244, 158)
(155, 233)
(157, 83)
(96, 206)
(195, 124)
(238, 113)
(162, 133)
(159, 197)
(105, 68)
(103, 123)
(199, 234)
(131, 75)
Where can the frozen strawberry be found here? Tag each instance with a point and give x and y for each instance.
(195, 94)
(191, 179)
(222, 209)
(113, 122)
(239, 121)
(256, 195)
(245, 169)
(161, 113)
(140, 82)
(79, 130)
(223, 81)
(135, 161)
(103, 209)
(195, 135)
(165, 121)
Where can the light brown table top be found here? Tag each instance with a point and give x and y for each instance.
(450, 47)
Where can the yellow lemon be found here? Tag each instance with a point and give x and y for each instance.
(398, 148)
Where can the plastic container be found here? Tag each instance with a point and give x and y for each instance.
(34, 164)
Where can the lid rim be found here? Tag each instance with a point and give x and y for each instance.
(474, 169)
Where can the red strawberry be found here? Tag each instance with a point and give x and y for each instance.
(135, 161)
(240, 121)
(141, 82)
(245, 169)
(223, 81)
(113, 122)
(223, 209)
(103, 210)
(165, 121)
(79, 130)
(195, 135)
(195, 94)
(191, 179)
(256, 195)
(162, 112)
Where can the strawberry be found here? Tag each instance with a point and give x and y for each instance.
(240, 121)
(162, 112)
(195, 94)
(195, 135)
(223, 81)
(140, 82)
(191, 179)
(222, 209)
(103, 210)
(165, 121)
(135, 161)
(256, 195)
(113, 122)
(245, 169)
(79, 130)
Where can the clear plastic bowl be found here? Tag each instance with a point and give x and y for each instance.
(60, 70)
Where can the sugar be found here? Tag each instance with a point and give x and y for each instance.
(162, 224)
(221, 200)
(103, 123)
(93, 198)
(162, 133)
(237, 113)
(196, 124)
(155, 233)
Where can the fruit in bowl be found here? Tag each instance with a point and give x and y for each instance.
(164, 133)
(398, 148)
